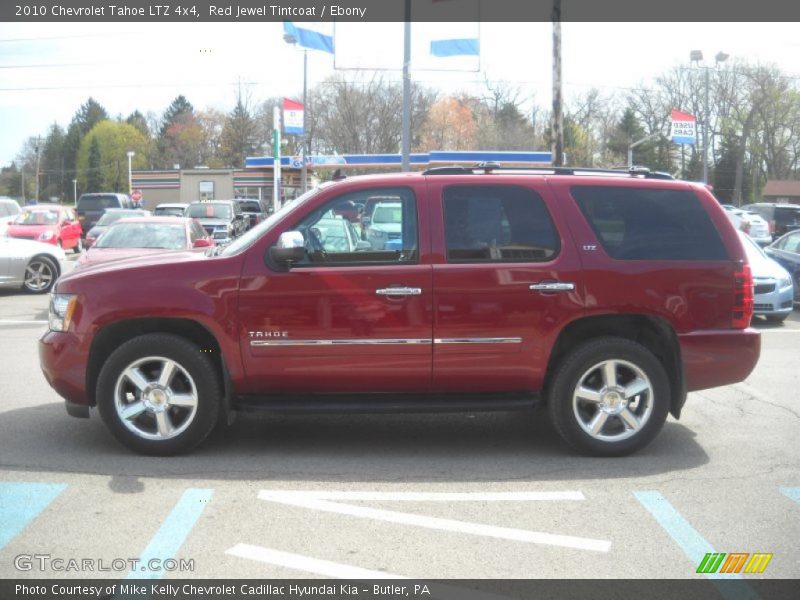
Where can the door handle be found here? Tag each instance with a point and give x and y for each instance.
(399, 291)
(552, 286)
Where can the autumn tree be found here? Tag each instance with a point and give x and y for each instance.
(449, 126)
(180, 137)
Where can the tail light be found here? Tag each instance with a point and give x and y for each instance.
(743, 297)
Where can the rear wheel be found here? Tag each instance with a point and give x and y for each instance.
(159, 395)
(609, 397)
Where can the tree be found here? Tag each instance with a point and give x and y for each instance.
(53, 163)
(102, 158)
(180, 136)
(449, 126)
(238, 139)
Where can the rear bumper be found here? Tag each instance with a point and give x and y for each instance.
(64, 368)
(718, 357)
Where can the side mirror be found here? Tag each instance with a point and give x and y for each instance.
(289, 249)
(203, 243)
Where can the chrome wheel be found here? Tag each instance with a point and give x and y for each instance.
(40, 274)
(155, 398)
(613, 400)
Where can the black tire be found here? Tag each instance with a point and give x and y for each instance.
(776, 318)
(40, 275)
(633, 367)
(194, 376)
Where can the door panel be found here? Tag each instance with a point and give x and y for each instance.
(492, 332)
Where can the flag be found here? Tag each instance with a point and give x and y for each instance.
(308, 38)
(292, 117)
(456, 47)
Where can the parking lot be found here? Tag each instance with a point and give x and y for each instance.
(425, 496)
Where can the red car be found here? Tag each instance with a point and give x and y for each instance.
(49, 223)
(606, 296)
(140, 236)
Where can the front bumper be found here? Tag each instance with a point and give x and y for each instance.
(718, 357)
(775, 303)
(63, 358)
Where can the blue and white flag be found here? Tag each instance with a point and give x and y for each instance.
(309, 38)
(455, 47)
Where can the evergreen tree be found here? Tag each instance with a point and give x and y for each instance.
(94, 177)
(238, 134)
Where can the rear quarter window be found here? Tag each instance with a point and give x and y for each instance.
(650, 224)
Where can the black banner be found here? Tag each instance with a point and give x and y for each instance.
(394, 10)
(322, 589)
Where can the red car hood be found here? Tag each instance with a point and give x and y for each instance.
(28, 231)
(97, 258)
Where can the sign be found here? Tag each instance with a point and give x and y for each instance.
(684, 128)
(136, 195)
(292, 117)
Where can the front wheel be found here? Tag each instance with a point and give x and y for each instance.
(609, 397)
(159, 395)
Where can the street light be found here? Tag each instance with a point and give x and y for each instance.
(304, 149)
(130, 154)
(696, 56)
(75, 192)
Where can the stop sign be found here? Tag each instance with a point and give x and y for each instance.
(136, 195)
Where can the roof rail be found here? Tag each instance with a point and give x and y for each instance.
(489, 167)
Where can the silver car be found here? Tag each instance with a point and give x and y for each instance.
(751, 223)
(773, 286)
(32, 266)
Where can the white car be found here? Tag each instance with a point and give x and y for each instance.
(32, 266)
(9, 210)
(385, 228)
(751, 223)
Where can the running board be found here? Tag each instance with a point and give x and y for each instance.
(386, 403)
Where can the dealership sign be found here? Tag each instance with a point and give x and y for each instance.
(684, 128)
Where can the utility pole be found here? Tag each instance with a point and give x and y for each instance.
(558, 117)
(306, 141)
(38, 154)
(405, 142)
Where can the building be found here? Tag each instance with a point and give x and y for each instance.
(782, 191)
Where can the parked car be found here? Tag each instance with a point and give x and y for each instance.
(112, 215)
(384, 225)
(781, 218)
(337, 234)
(49, 223)
(222, 219)
(772, 284)
(786, 251)
(9, 210)
(138, 236)
(750, 223)
(32, 266)
(90, 207)
(253, 210)
(606, 297)
(170, 209)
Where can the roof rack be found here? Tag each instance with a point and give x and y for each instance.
(489, 167)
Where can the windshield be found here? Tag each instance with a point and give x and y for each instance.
(143, 235)
(248, 238)
(251, 206)
(169, 211)
(208, 210)
(110, 217)
(388, 214)
(37, 217)
(97, 202)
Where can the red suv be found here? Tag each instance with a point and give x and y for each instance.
(606, 296)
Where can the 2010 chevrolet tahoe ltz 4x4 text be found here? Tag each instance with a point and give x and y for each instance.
(607, 296)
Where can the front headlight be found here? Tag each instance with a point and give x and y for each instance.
(62, 307)
(46, 235)
(785, 282)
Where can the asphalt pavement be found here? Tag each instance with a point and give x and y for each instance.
(422, 496)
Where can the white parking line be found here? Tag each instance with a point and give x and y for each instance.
(13, 322)
(308, 564)
(279, 495)
(319, 501)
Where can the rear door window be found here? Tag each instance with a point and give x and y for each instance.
(649, 224)
(497, 223)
